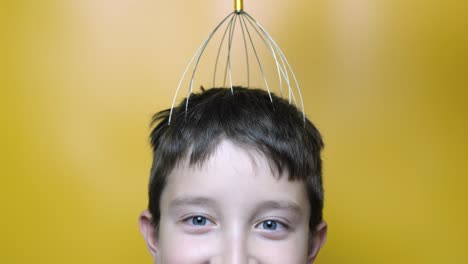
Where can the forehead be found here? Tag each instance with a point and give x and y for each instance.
(233, 177)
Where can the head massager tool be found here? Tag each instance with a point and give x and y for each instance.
(249, 26)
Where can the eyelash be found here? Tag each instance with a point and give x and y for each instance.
(192, 217)
(282, 225)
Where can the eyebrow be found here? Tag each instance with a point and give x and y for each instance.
(192, 201)
(280, 205)
(284, 205)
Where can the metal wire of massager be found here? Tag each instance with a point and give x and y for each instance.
(248, 25)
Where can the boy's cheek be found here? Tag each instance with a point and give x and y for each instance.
(275, 252)
(181, 248)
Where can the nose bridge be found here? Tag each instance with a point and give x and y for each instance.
(235, 247)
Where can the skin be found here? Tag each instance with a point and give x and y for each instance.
(233, 209)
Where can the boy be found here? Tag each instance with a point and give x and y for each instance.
(236, 178)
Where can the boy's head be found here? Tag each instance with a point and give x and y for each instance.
(236, 178)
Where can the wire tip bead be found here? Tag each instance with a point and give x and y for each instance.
(238, 5)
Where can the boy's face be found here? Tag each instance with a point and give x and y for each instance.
(232, 210)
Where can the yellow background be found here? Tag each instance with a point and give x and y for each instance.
(384, 80)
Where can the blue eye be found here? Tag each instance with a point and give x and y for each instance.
(269, 225)
(199, 220)
(272, 225)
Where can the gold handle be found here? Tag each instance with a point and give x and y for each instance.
(238, 5)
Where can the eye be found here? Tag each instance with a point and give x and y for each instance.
(272, 225)
(198, 220)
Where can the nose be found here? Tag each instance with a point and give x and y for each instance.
(236, 248)
(235, 251)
